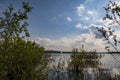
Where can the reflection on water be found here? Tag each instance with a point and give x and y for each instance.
(108, 70)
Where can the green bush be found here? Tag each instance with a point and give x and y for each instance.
(80, 60)
(22, 60)
(19, 59)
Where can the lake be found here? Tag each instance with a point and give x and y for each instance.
(108, 70)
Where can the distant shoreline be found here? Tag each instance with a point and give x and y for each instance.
(70, 52)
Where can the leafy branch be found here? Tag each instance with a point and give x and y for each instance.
(113, 12)
(12, 24)
(109, 36)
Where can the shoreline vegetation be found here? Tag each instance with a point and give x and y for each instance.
(81, 66)
(20, 59)
(70, 52)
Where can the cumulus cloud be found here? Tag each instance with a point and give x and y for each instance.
(62, 44)
(80, 9)
(67, 44)
(94, 39)
(92, 12)
(69, 19)
(93, 30)
(90, 16)
(108, 23)
(93, 15)
(79, 26)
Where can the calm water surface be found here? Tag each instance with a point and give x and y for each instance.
(108, 70)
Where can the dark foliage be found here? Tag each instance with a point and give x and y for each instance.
(19, 59)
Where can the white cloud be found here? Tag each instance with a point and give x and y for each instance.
(107, 22)
(69, 19)
(67, 44)
(92, 12)
(63, 44)
(94, 25)
(85, 27)
(80, 9)
(79, 26)
(93, 15)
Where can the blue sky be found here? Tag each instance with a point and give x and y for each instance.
(63, 24)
